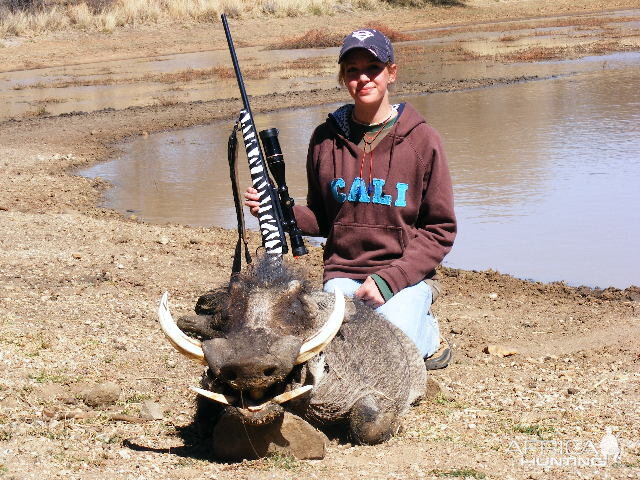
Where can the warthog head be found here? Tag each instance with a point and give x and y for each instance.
(252, 336)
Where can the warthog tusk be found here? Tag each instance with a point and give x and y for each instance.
(283, 397)
(186, 345)
(286, 396)
(316, 344)
(216, 397)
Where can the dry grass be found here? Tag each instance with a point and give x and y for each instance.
(49, 100)
(166, 101)
(537, 54)
(323, 38)
(29, 17)
(391, 34)
(578, 23)
(41, 111)
(308, 63)
(311, 39)
(184, 76)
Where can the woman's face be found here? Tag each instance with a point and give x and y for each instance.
(367, 78)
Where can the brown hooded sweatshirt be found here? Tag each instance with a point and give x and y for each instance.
(402, 223)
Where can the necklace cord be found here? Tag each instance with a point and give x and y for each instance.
(368, 141)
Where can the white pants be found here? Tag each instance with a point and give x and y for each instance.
(409, 310)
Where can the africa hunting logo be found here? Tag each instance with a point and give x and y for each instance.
(568, 453)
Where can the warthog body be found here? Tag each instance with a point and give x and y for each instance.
(252, 332)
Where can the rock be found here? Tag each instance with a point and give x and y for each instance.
(101, 395)
(163, 240)
(124, 454)
(500, 350)
(288, 435)
(456, 331)
(153, 410)
(572, 390)
(52, 392)
(76, 256)
(493, 296)
(11, 402)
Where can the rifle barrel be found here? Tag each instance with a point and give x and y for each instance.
(236, 65)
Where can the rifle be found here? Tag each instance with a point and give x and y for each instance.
(275, 215)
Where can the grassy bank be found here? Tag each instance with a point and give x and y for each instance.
(30, 17)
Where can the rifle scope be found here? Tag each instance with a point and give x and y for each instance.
(275, 161)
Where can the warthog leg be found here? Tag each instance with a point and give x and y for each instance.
(369, 423)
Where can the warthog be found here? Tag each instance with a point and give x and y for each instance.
(272, 344)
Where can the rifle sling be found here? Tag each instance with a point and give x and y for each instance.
(232, 154)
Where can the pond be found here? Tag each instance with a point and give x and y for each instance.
(546, 173)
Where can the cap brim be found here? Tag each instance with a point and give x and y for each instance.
(357, 47)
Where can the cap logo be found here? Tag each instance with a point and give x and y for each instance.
(362, 35)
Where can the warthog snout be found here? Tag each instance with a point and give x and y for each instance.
(255, 361)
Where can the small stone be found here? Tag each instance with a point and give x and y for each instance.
(163, 240)
(153, 410)
(51, 392)
(101, 395)
(120, 266)
(500, 350)
(471, 426)
(572, 390)
(456, 331)
(124, 454)
(493, 296)
(171, 363)
(76, 256)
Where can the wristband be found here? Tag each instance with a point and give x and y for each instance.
(383, 286)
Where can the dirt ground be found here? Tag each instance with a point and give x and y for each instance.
(89, 387)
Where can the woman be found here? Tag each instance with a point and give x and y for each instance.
(379, 189)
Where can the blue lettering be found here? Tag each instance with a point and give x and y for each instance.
(401, 200)
(378, 183)
(337, 183)
(358, 191)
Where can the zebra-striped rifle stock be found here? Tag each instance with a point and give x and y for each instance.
(270, 213)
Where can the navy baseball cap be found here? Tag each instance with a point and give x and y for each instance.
(372, 40)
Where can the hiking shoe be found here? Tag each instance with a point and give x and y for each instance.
(440, 358)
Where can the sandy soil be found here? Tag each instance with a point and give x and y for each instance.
(90, 389)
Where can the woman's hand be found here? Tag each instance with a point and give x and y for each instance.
(369, 293)
(252, 200)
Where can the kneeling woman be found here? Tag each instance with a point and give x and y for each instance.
(379, 189)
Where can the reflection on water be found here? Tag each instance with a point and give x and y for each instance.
(545, 174)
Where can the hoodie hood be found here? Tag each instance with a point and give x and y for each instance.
(408, 119)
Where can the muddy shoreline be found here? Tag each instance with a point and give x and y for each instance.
(80, 286)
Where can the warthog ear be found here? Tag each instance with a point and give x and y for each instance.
(210, 302)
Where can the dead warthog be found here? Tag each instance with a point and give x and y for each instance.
(271, 345)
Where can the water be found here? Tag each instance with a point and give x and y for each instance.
(546, 174)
